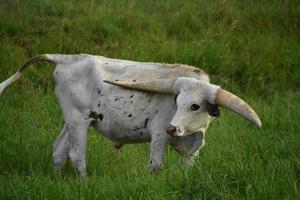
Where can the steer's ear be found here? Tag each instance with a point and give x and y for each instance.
(213, 110)
(159, 85)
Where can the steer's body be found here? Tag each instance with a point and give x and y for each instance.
(121, 115)
(138, 111)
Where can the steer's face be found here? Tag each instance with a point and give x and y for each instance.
(193, 111)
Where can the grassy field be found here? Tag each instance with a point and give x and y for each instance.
(249, 47)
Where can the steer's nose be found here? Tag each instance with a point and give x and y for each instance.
(172, 130)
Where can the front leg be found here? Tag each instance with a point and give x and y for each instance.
(158, 148)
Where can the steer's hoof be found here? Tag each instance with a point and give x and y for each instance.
(155, 168)
(155, 171)
(118, 145)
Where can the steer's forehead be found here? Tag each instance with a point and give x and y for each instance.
(191, 95)
(192, 85)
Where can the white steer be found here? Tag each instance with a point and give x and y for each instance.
(133, 102)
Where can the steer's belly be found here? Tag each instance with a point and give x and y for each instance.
(116, 132)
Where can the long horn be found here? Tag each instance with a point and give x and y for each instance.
(160, 85)
(236, 104)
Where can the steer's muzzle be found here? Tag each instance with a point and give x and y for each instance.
(173, 130)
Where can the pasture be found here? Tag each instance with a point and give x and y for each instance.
(251, 48)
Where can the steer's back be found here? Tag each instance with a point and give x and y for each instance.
(125, 70)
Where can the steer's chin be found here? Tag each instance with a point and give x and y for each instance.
(178, 135)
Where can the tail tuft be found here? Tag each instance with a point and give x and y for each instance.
(9, 81)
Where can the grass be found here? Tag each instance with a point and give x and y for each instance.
(249, 47)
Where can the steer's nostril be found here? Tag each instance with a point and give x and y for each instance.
(171, 129)
(178, 130)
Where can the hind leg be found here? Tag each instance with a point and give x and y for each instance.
(60, 149)
(77, 128)
(72, 141)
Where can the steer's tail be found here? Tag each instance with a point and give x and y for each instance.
(54, 58)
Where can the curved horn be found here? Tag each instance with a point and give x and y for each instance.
(237, 105)
(160, 85)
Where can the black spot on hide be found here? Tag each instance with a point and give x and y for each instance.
(131, 96)
(146, 122)
(129, 115)
(100, 116)
(99, 91)
(136, 128)
(134, 81)
(94, 115)
(118, 98)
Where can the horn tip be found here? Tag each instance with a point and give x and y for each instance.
(257, 122)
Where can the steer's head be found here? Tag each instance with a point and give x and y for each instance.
(196, 102)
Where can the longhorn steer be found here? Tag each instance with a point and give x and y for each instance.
(133, 102)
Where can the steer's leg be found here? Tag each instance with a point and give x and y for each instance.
(77, 129)
(158, 148)
(60, 149)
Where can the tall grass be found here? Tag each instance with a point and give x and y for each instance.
(249, 47)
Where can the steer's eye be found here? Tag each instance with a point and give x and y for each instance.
(195, 107)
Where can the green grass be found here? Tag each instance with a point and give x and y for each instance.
(249, 47)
